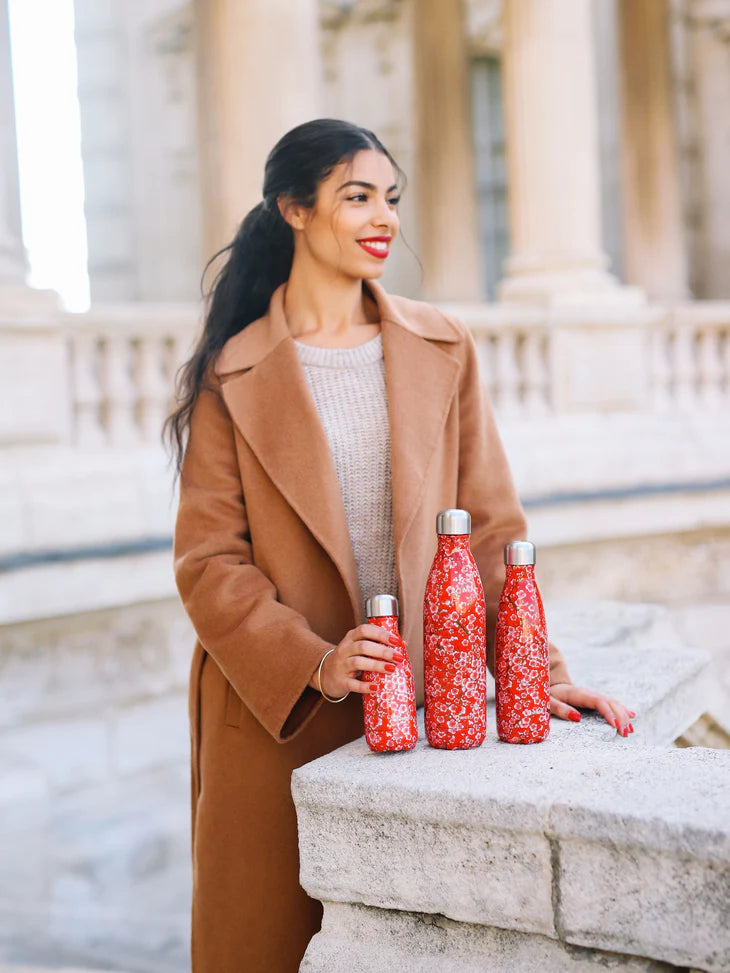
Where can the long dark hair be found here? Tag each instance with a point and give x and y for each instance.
(260, 255)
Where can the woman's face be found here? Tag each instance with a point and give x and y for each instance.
(354, 220)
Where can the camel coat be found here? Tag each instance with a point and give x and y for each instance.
(266, 572)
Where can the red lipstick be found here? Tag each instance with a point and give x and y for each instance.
(376, 246)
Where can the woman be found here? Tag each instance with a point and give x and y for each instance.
(326, 424)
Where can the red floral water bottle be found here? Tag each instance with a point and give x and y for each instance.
(390, 712)
(454, 640)
(522, 654)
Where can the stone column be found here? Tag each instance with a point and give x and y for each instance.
(552, 155)
(448, 234)
(33, 374)
(259, 66)
(654, 247)
(709, 35)
(12, 253)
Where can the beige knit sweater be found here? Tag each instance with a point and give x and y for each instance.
(348, 388)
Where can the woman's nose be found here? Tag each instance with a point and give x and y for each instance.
(384, 216)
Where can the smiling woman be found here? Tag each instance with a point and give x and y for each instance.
(49, 147)
(322, 424)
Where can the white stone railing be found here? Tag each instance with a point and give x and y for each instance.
(542, 857)
(123, 360)
(514, 359)
(690, 358)
(650, 359)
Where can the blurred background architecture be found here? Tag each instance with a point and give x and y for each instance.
(569, 196)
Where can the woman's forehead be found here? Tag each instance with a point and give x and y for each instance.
(366, 166)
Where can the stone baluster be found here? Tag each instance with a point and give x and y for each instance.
(86, 390)
(683, 368)
(485, 357)
(535, 374)
(152, 386)
(118, 390)
(507, 376)
(661, 372)
(709, 367)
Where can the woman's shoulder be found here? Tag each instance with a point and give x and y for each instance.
(428, 321)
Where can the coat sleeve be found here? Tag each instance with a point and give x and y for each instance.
(487, 491)
(266, 650)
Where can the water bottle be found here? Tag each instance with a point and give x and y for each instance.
(454, 640)
(390, 712)
(522, 653)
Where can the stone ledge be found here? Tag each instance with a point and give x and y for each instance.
(595, 847)
(365, 940)
(591, 840)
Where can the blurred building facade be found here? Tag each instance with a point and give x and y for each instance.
(569, 196)
(181, 102)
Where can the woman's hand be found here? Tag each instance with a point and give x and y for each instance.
(564, 697)
(367, 648)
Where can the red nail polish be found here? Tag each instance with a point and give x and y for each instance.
(394, 639)
(615, 722)
(397, 657)
(632, 714)
(625, 731)
(389, 667)
(373, 687)
(574, 716)
(631, 729)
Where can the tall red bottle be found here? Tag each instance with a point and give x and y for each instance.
(390, 712)
(454, 640)
(522, 654)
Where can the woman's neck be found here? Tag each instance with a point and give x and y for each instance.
(331, 314)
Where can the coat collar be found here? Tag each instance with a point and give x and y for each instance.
(269, 400)
(254, 342)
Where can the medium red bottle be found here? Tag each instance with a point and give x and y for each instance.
(522, 654)
(454, 640)
(390, 712)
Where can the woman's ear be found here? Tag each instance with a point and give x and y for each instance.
(293, 214)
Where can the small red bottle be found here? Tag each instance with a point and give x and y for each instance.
(390, 712)
(522, 654)
(454, 640)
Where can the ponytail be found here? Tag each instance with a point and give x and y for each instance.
(259, 260)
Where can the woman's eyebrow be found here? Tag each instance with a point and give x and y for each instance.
(367, 185)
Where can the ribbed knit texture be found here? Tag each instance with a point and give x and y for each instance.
(348, 387)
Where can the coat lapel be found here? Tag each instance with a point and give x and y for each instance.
(270, 402)
(273, 408)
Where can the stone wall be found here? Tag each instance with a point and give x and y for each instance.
(94, 754)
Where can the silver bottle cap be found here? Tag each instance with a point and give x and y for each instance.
(453, 521)
(519, 552)
(379, 606)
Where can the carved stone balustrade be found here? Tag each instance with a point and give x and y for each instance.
(123, 362)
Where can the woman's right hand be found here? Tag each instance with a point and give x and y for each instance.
(367, 648)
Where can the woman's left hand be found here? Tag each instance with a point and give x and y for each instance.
(564, 697)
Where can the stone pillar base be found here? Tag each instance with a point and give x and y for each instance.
(18, 302)
(591, 286)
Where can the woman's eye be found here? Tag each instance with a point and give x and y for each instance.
(358, 197)
(394, 200)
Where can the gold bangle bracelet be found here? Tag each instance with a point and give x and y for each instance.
(319, 681)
